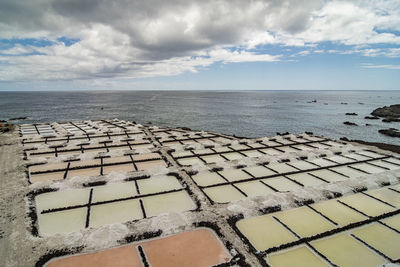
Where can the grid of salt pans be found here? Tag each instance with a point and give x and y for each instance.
(223, 186)
(80, 131)
(271, 147)
(77, 127)
(362, 229)
(95, 206)
(174, 137)
(95, 167)
(37, 129)
(105, 145)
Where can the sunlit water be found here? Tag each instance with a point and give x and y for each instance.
(249, 113)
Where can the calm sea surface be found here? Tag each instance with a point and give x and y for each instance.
(249, 113)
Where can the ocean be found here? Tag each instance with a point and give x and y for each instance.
(242, 113)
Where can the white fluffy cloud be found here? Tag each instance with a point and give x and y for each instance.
(130, 39)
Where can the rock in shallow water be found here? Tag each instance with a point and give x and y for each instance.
(387, 111)
(350, 123)
(390, 132)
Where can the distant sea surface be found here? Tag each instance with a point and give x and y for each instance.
(244, 113)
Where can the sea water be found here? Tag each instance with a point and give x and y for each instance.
(243, 113)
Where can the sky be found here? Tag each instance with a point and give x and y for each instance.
(199, 45)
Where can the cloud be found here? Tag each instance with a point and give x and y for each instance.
(128, 39)
(387, 66)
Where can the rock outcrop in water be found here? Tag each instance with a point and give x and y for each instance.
(387, 111)
(350, 123)
(351, 114)
(371, 118)
(391, 119)
(390, 132)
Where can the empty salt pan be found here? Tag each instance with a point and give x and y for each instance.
(233, 155)
(328, 175)
(306, 179)
(255, 145)
(158, 184)
(302, 165)
(93, 162)
(234, 175)
(300, 256)
(165, 203)
(370, 154)
(281, 168)
(83, 172)
(338, 212)
(340, 159)
(207, 178)
(182, 154)
(115, 212)
(212, 158)
(122, 168)
(113, 191)
(271, 143)
(48, 167)
(146, 156)
(368, 168)
(304, 221)
(259, 171)
(393, 160)
(55, 222)
(147, 165)
(284, 141)
(116, 160)
(385, 164)
(332, 143)
(51, 176)
(62, 199)
(349, 172)
(222, 149)
(381, 238)
(304, 147)
(265, 232)
(387, 195)
(189, 161)
(393, 222)
(357, 157)
(322, 162)
(281, 184)
(345, 251)
(223, 194)
(271, 151)
(319, 145)
(287, 149)
(239, 147)
(252, 153)
(254, 188)
(366, 204)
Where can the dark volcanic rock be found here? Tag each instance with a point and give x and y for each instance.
(351, 114)
(390, 132)
(350, 123)
(391, 119)
(18, 118)
(391, 111)
(371, 118)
